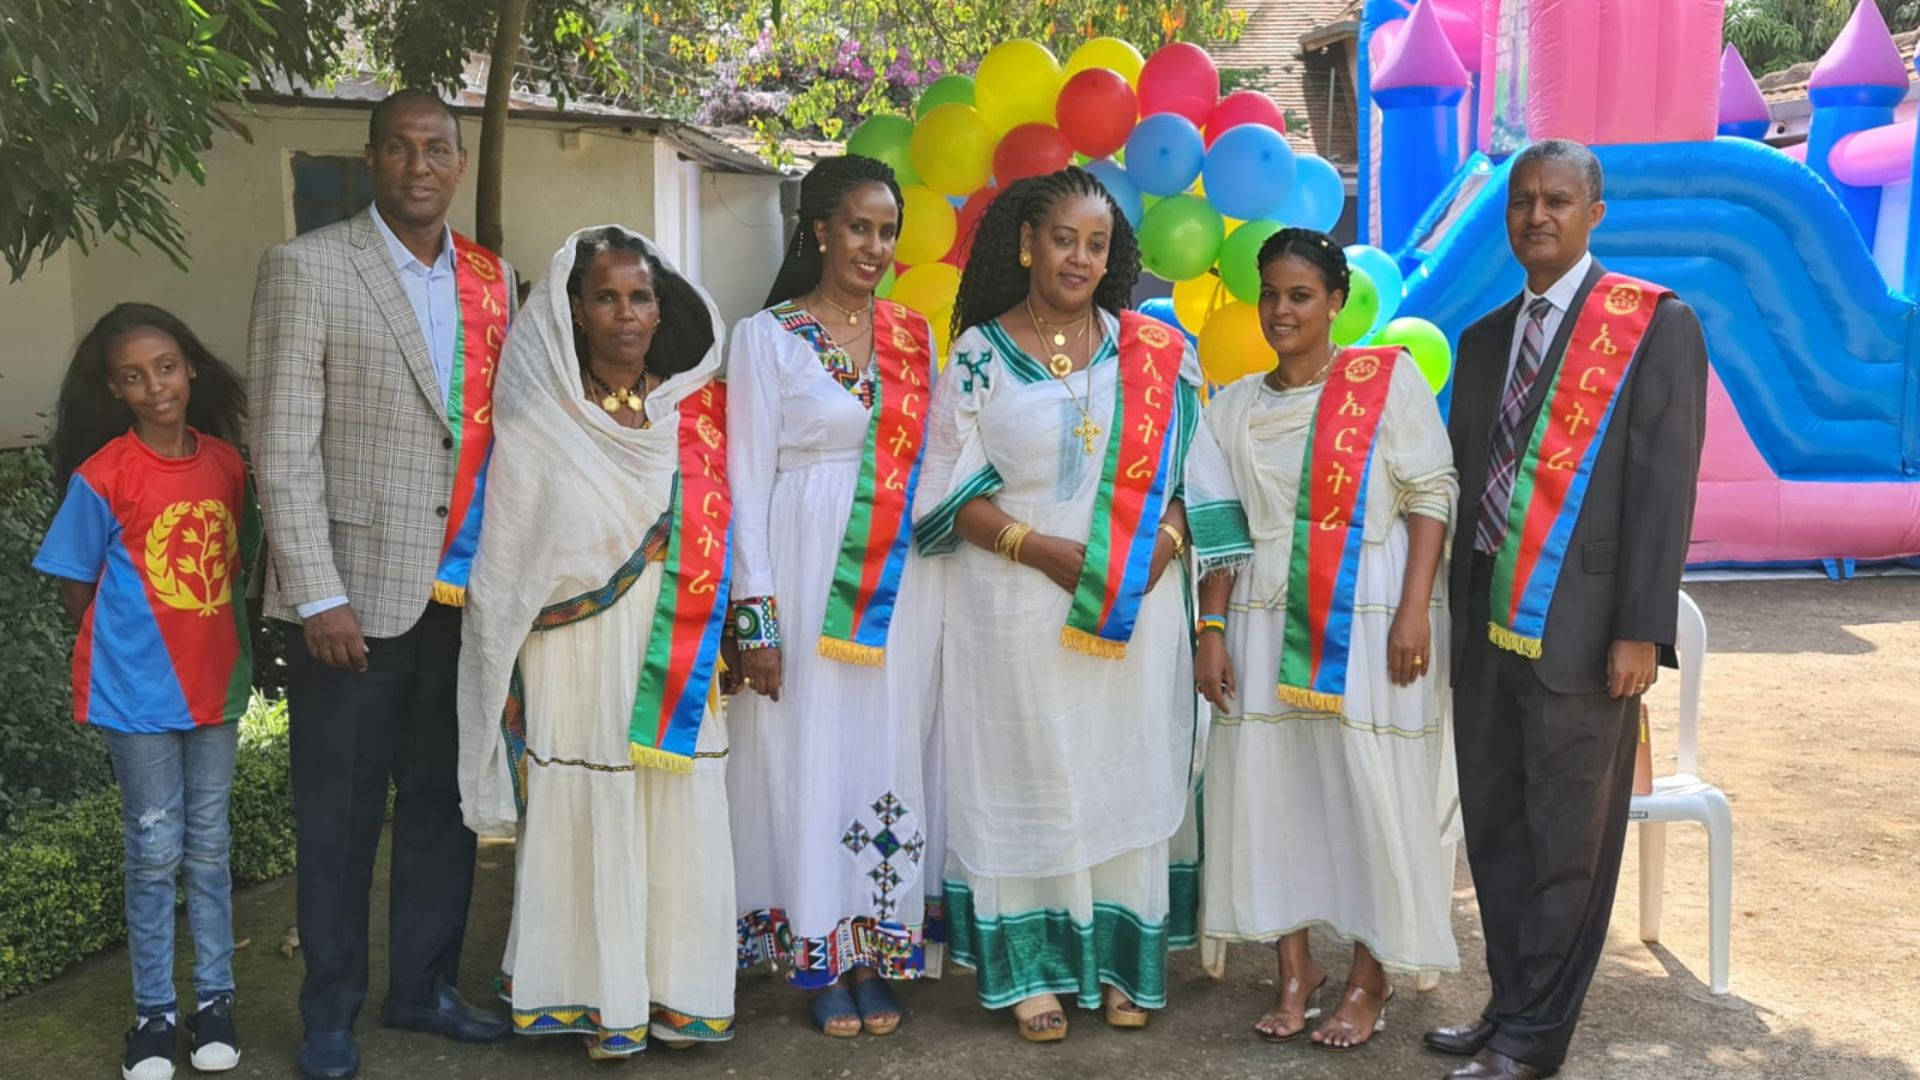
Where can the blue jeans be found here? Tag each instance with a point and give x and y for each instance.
(173, 811)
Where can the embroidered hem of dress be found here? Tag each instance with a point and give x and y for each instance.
(585, 1020)
(893, 950)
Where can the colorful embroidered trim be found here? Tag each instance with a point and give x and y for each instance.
(892, 950)
(934, 533)
(1021, 954)
(1329, 529)
(1215, 623)
(756, 623)
(586, 1020)
(1551, 482)
(879, 532)
(800, 322)
(683, 647)
(480, 280)
(1134, 486)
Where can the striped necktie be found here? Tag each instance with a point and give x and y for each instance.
(1504, 453)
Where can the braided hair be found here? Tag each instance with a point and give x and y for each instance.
(685, 331)
(1317, 250)
(825, 187)
(994, 281)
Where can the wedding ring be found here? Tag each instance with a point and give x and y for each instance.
(1419, 661)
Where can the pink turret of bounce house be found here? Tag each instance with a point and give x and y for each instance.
(1797, 268)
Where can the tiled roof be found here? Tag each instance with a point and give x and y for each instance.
(1271, 44)
(1789, 84)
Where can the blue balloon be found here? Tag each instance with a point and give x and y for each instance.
(1164, 154)
(1385, 272)
(1249, 172)
(1318, 196)
(1119, 185)
(1161, 307)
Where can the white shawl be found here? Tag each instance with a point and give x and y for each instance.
(570, 495)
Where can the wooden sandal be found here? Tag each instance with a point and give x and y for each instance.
(1121, 1012)
(1358, 993)
(1310, 1012)
(875, 998)
(834, 1003)
(1040, 1019)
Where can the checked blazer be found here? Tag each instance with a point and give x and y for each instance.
(352, 452)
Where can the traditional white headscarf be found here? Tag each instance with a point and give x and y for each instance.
(570, 495)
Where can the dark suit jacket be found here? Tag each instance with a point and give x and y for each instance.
(1621, 577)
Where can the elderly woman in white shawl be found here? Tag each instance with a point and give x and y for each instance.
(591, 638)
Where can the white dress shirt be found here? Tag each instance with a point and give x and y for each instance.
(1560, 294)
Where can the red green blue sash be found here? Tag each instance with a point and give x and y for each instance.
(684, 645)
(1134, 483)
(1551, 481)
(480, 281)
(1329, 527)
(873, 551)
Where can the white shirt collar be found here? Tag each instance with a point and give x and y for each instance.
(404, 259)
(1560, 294)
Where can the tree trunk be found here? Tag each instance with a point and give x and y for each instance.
(493, 124)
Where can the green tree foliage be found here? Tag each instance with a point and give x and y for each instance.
(1775, 34)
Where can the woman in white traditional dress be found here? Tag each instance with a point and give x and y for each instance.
(1331, 798)
(837, 621)
(1067, 473)
(594, 619)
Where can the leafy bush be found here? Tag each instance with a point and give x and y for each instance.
(60, 883)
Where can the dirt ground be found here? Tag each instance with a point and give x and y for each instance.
(1811, 724)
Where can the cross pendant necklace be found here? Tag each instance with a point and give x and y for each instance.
(1088, 431)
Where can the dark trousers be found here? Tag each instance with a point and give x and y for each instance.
(1545, 782)
(351, 732)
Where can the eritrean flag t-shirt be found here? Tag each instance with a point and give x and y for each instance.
(165, 645)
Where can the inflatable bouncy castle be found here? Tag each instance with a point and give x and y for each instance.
(1802, 266)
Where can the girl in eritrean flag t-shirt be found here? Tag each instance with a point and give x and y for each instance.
(150, 547)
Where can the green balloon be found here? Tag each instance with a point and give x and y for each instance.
(945, 90)
(1240, 258)
(1428, 344)
(1362, 308)
(885, 288)
(1180, 237)
(886, 138)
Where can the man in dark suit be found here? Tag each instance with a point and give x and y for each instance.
(1546, 745)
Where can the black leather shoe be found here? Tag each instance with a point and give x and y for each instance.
(1464, 1040)
(329, 1055)
(446, 1013)
(1494, 1065)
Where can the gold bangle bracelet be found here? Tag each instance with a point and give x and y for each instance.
(1179, 542)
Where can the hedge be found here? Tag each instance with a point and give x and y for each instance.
(60, 898)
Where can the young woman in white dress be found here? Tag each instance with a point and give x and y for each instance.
(837, 620)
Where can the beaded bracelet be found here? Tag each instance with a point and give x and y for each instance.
(756, 623)
(1215, 623)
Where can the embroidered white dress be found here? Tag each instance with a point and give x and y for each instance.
(1346, 822)
(835, 825)
(1072, 862)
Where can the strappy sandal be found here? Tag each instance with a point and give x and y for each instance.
(1311, 1012)
(1041, 1022)
(834, 1003)
(874, 997)
(1358, 993)
(1120, 1010)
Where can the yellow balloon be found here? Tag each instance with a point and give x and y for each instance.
(1017, 83)
(942, 321)
(1232, 346)
(927, 226)
(929, 289)
(1108, 52)
(952, 149)
(1197, 298)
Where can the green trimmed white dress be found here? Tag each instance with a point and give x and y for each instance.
(1072, 860)
(1346, 822)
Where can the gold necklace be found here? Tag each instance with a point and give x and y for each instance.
(632, 397)
(1086, 429)
(1060, 365)
(1288, 384)
(853, 315)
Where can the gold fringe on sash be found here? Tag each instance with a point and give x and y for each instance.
(1512, 642)
(1301, 698)
(449, 595)
(654, 758)
(1092, 644)
(852, 652)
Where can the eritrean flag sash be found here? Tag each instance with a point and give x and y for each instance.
(873, 551)
(1329, 527)
(1551, 481)
(1134, 484)
(683, 647)
(480, 280)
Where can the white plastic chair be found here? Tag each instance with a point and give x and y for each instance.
(1685, 797)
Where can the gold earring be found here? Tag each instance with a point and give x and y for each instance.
(823, 249)
(1026, 259)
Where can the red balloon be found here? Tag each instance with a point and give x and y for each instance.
(1180, 78)
(1030, 150)
(968, 217)
(1096, 111)
(1244, 107)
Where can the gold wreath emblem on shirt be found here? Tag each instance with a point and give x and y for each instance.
(194, 573)
(1623, 299)
(903, 340)
(1154, 336)
(1361, 368)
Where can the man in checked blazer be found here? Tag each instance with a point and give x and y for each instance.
(352, 344)
(1546, 746)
